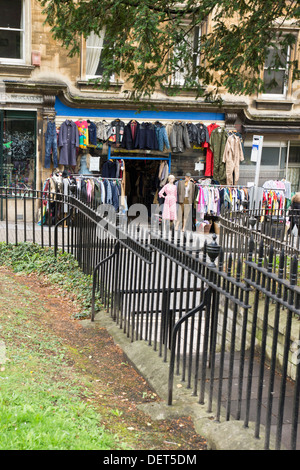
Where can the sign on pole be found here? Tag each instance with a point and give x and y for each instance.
(256, 153)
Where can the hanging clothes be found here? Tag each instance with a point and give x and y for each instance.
(202, 133)
(103, 130)
(209, 165)
(109, 169)
(161, 136)
(162, 174)
(68, 142)
(83, 129)
(218, 139)
(130, 138)
(179, 138)
(211, 199)
(192, 133)
(232, 156)
(146, 137)
(116, 192)
(84, 166)
(92, 133)
(51, 144)
(116, 133)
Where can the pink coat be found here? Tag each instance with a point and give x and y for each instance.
(170, 208)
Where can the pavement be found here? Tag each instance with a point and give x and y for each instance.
(44, 235)
(220, 435)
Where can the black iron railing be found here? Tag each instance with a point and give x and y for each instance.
(275, 227)
(226, 321)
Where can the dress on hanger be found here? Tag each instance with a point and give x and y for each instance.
(209, 167)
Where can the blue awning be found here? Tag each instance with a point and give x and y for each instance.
(63, 110)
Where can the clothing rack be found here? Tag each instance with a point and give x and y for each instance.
(93, 176)
(237, 186)
(210, 185)
(274, 189)
(139, 157)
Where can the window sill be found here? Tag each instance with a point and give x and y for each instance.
(279, 104)
(19, 70)
(86, 85)
(179, 90)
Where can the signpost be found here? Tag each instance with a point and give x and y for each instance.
(257, 146)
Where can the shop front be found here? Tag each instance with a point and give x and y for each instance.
(127, 155)
(146, 161)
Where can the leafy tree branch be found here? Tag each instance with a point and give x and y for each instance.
(148, 42)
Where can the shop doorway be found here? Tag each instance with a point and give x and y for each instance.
(143, 180)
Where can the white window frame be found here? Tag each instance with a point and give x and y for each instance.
(178, 79)
(22, 30)
(280, 96)
(278, 144)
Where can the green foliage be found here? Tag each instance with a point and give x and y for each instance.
(62, 270)
(141, 37)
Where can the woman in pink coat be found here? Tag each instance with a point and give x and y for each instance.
(169, 191)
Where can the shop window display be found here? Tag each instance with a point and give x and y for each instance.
(18, 159)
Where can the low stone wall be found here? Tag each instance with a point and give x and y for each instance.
(294, 354)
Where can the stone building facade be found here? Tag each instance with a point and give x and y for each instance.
(39, 81)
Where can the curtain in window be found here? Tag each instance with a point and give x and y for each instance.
(94, 45)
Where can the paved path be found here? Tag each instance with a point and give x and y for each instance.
(289, 397)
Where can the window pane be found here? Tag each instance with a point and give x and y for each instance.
(100, 68)
(11, 14)
(269, 157)
(247, 157)
(186, 65)
(283, 157)
(276, 58)
(11, 44)
(279, 77)
(93, 56)
(94, 46)
(18, 151)
(294, 156)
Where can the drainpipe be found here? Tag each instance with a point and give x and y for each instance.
(287, 159)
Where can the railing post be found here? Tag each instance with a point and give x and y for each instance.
(173, 341)
(95, 273)
(56, 230)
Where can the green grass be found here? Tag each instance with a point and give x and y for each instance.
(38, 418)
(62, 270)
(45, 403)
